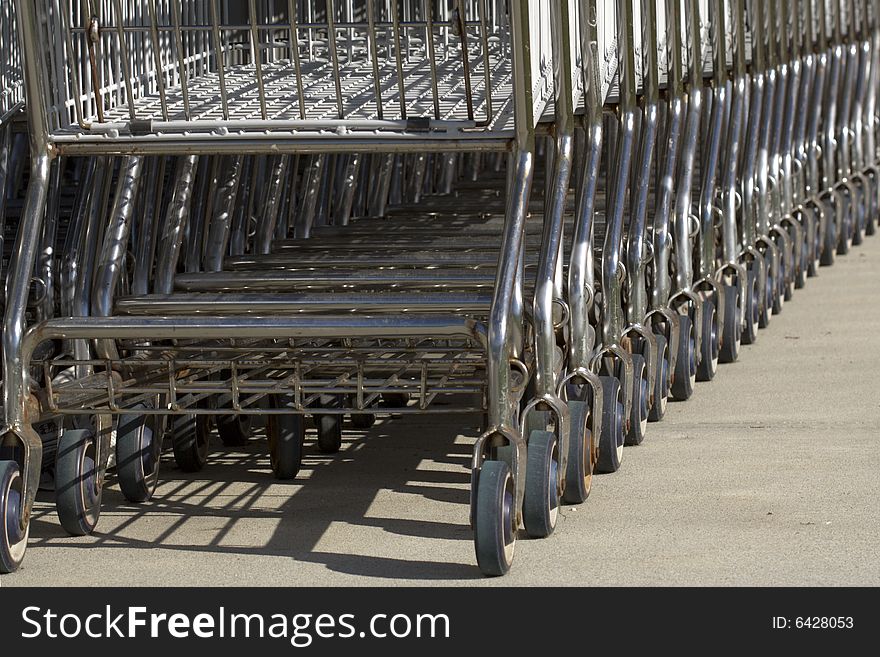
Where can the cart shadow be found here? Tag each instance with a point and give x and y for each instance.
(393, 457)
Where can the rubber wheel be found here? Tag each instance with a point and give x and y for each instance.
(362, 421)
(77, 491)
(858, 224)
(769, 287)
(494, 535)
(329, 427)
(611, 439)
(709, 345)
(641, 398)
(686, 363)
(579, 468)
(541, 500)
(285, 434)
(234, 430)
(870, 224)
(815, 258)
(786, 283)
(778, 298)
(661, 381)
(752, 315)
(13, 541)
(829, 239)
(800, 279)
(395, 399)
(844, 239)
(731, 336)
(189, 440)
(138, 452)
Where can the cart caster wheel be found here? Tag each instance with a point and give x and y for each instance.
(870, 224)
(858, 226)
(844, 241)
(786, 280)
(14, 540)
(829, 242)
(285, 434)
(778, 299)
(661, 382)
(686, 365)
(752, 315)
(579, 471)
(362, 421)
(329, 433)
(709, 345)
(815, 260)
(395, 399)
(638, 421)
(234, 430)
(189, 439)
(769, 287)
(77, 490)
(800, 279)
(329, 427)
(733, 328)
(494, 535)
(541, 501)
(611, 440)
(138, 452)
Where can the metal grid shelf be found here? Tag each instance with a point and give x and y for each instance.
(198, 379)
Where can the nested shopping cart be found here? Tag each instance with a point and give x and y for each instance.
(261, 222)
(195, 79)
(11, 103)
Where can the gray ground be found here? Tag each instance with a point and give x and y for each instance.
(769, 476)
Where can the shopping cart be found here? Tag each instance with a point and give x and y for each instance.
(188, 80)
(288, 209)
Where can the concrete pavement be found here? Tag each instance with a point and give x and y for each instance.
(768, 476)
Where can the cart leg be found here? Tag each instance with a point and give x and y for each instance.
(17, 420)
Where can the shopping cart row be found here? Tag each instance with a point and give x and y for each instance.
(230, 218)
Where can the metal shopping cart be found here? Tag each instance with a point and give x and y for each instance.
(553, 215)
(188, 80)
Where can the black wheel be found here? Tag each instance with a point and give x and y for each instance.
(803, 255)
(661, 381)
(752, 315)
(731, 336)
(138, 452)
(494, 515)
(395, 399)
(816, 255)
(709, 346)
(329, 427)
(189, 440)
(858, 223)
(871, 219)
(789, 273)
(541, 501)
(77, 489)
(870, 227)
(579, 469)
(829, 238)
(362, 421)
(686, 363)
(844, 239)
(769, 287)
(781, 281)
(612, 437)
(285, 434)
(638, 417)
(234, 430)
(13, 541)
